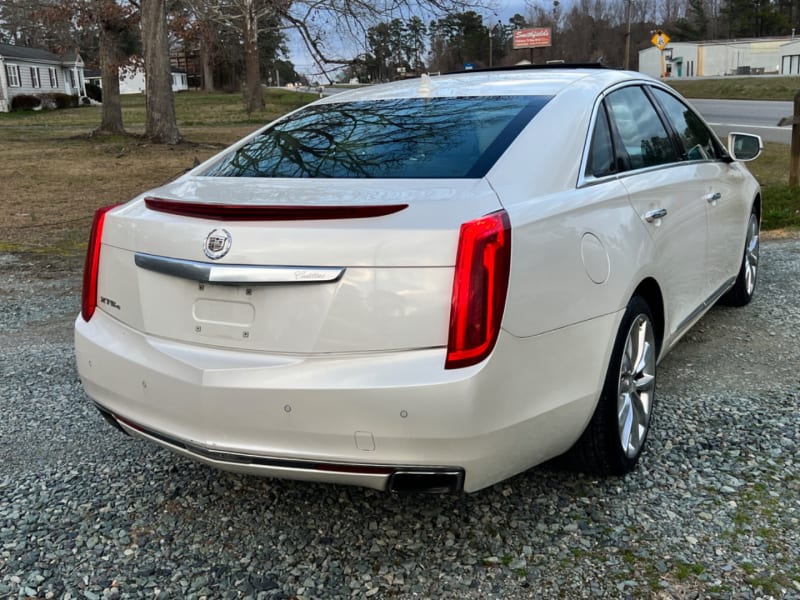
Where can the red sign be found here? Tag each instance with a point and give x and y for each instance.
(538, 37)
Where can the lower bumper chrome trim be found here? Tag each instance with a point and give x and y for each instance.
(395, 478)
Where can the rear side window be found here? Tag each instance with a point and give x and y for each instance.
(643, 135)
(398, 138)
(697, 139)
(601, 151)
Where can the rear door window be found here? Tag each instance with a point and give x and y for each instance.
(395, 138)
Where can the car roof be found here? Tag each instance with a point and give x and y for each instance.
(490, 82)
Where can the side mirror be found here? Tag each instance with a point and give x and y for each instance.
(744, 146)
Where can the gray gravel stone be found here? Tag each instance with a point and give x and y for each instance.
(712, 511)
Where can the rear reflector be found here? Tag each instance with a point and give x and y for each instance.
(249, 212)
(89, 295)
(479, 289)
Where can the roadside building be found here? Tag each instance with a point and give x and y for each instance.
(772, 56)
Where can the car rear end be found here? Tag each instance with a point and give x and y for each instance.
(280, 311)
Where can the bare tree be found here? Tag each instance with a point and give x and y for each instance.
(113, 20)
(196, 30)
(17, 24)
(67, 23)
(161, 126)
(248, 18)
(111, 111)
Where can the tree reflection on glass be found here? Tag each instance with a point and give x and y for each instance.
(397, 138)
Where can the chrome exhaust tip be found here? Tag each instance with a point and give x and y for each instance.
(427, 481)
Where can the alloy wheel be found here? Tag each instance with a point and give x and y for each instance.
(637, 382)
(751, 255)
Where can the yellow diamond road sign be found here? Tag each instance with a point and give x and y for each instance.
(660, 39)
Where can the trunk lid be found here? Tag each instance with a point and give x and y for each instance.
(308, 286)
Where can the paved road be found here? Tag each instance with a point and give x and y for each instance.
(751, 116)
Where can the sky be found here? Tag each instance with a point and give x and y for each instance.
(347, 48)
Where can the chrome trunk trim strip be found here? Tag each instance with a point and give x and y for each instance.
(235, 274)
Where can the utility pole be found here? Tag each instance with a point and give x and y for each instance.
(628, 36)
(490, 48)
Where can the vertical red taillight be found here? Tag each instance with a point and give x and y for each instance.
(479, 289)
(89, 296)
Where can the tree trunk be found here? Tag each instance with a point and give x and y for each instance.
(254, 99)
(111, 113)
(208, 72)
(162, 125)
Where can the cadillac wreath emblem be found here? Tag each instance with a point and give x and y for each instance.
(217, 244)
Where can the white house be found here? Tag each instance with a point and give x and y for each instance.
(132, 80)
(779, 56)
(33, 71)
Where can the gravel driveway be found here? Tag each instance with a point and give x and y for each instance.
(712, 510)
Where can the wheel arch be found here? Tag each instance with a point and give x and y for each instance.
(757, 206)
(650, 291)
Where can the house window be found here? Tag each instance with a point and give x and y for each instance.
(36, 80)
(12, 73)
(53, 77)
(71, 79)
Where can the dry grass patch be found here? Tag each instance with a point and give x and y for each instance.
(55, 174)
(53, 187)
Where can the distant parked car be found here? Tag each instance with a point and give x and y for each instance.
(426, 285)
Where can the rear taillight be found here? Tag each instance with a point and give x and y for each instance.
(479, 289)
(89, 297)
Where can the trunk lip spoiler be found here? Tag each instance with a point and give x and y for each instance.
(224, 274)
(255, 212)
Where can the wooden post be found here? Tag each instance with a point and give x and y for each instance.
(794, 163)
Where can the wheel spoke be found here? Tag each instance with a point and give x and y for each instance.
(748, 278)
(645, 360)
(627, 357)
(641, 408)
(625, 419)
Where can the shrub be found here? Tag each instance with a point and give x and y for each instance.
(25, 102)
(95, 92)
(64, 100)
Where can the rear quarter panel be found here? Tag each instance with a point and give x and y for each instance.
(576, 256)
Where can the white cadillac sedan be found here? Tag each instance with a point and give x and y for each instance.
(428, 285)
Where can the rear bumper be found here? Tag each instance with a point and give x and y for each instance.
(382, 477)
(356, 419)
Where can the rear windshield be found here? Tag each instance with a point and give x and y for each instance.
(400, 138)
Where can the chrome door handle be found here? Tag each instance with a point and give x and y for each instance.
(713, 197)
(654, 215)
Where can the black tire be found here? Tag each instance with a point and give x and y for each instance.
(601, 449)
(744, 289)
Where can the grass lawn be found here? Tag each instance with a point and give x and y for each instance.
(55, 174)
(739, 88)
(781, 203)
